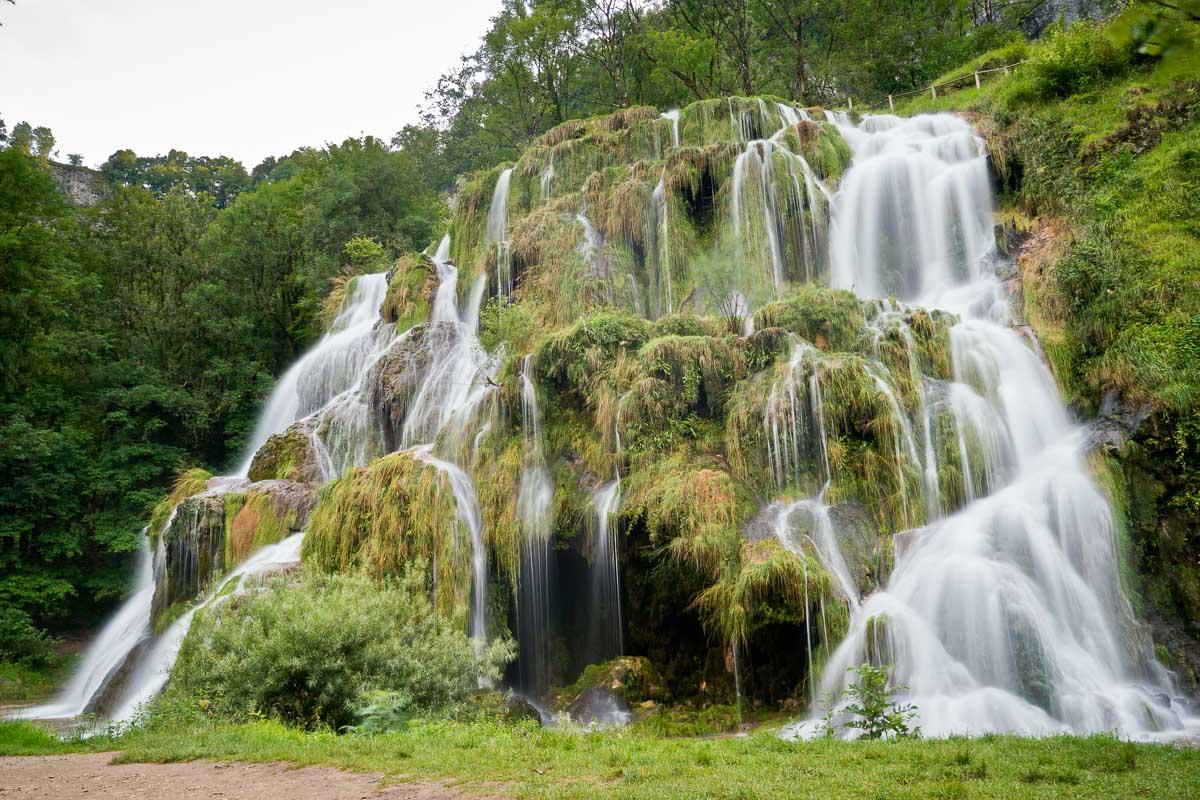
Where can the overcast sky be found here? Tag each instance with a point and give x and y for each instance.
(245, 78)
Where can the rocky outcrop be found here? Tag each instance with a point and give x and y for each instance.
(212, 532)
(397, 376)
(289, 456)
(1116, 424)
(83, 186)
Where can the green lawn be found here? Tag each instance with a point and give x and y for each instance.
(526, 761)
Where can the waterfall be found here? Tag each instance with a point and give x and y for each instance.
(535, 503)
(332, 367)
(672, 116)
(105, 657)
(326, 386)
(660, 226)
(1005, 614)
(496, 234)
(547, 178)
(154, 670)
(465, 500)
(782, 210)
(607, 630)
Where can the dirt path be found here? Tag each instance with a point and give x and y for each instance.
(92, 776)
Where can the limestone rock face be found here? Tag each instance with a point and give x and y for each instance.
(212, 532)
(288, 456)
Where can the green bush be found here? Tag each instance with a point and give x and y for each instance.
(21, 641)
(1076, 59)
(312, 651)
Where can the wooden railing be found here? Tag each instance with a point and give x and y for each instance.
(890, 102)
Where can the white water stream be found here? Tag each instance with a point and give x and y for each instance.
(1006, 615)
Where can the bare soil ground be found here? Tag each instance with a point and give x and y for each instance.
(92, 776)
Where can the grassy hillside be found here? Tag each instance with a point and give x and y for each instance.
(1097, 149)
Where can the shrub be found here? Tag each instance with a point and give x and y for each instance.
(1076, 59)
(21, 641)
(873, 710)
(315, 651)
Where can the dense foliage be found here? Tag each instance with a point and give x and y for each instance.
(313, 650)
(547, 61)
(138, 336)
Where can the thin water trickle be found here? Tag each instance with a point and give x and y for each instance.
(535, 502)
(496, 233)
(607, 632)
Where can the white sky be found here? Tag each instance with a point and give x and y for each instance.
(245, 78)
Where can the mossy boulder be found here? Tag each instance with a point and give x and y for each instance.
(631, 678)
(830, 319)
(212, 532)
(412, 286)
(288, 456)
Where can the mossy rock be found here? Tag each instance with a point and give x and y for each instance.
(397, 375)
(830, 319)
(288, 456)
(188, 482)
(412, 286)
(213, 532)
(632, 678)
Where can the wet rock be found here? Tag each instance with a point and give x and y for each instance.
(601, 707)
(289, 456)
(867, 554)
(633, 678)
(1116, 424)
(398, 374)
(212, 532)
(520, 709)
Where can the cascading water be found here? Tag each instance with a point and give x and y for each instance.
(128, 628)
(672, 116)
(326, 384)
(607, 633)
(776, 198)
(332, 368)
(1006, 614)
(154, 669)
(496, 234)
(535, 501)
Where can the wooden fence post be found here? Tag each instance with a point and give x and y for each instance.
(976, 79)
(891, 104)
(1005, 70)
(850, 102)
(934, 90)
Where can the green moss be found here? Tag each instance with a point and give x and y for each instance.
(286, 456)
(831, 319)
(188, 482)
(632, 678)
(569, 358)
(383, 518)
(411, 288)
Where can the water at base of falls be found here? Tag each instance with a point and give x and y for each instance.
(1006, 615)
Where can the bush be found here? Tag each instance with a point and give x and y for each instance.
(871, 706)
(315, 651)
(21, 641)
(1076, 59)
